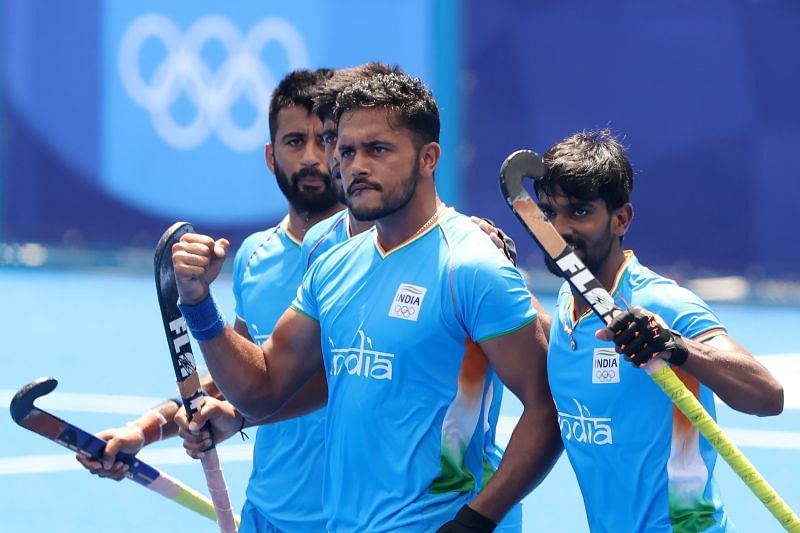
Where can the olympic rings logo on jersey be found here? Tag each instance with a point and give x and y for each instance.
(605, 376)
(605, 366)
(404, 310)
(214, 93)
(407, 302)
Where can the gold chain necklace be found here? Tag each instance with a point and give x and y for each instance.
(429, 222)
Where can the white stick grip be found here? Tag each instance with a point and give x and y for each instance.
(218, 490)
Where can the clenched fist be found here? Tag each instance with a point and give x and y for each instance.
(197, 260)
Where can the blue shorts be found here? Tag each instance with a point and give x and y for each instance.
(255, 522)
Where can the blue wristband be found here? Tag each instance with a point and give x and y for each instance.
(204, 320)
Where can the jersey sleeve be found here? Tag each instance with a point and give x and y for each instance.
(684, 311)
(306, 302)
(491, 296)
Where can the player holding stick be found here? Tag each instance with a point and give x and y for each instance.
(342, 226)
(640, 463)
(405, 395)
(284, 491)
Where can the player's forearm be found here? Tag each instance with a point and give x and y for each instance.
(534, 447)
(738, 379)
(167, 410)
(311, 396)
(239, 370)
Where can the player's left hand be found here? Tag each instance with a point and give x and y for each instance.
(641, 335)
(468, 520)
(503, 242)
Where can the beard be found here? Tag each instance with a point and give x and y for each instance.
(391, 203)
(593, 261)
(308, 201)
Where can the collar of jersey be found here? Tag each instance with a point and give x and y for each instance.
(446, 211)
(284, 225)
(626, 263)
(347, 223)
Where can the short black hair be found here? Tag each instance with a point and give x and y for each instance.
(588, 165)
(325, 101)
(396, 91)
(298, 88)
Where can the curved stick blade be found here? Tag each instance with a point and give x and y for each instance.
(22, 403)
(180, 350)
(518, 166)
(183, 364)
(165, 277)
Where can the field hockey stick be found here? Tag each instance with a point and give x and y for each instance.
(527, 164)
(183, 363)
(69, 436)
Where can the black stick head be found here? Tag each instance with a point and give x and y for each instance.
(518, 166)
(172, 235)
(165, 277)
(22, 403)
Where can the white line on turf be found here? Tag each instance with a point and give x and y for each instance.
(785, 367)
(88, 403)
(62, 462)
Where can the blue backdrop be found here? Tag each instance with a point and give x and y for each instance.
(120, 117)
(704, 92)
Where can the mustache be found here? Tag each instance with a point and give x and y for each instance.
(368, 184)
(310, 172)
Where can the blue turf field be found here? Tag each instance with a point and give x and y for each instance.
(100, 334)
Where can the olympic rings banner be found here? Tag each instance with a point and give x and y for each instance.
(122, 117)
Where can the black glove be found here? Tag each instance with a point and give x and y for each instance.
(641, 335)
(468, 520)
(509, 248)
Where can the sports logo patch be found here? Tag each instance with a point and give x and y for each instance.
(605, 366)
(407, 302)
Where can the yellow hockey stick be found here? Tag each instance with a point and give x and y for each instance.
(527, 164)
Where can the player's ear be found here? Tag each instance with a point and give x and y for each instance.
(429, 157)
(621, 219)
(269, 156)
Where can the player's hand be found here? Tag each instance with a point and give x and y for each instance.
(197, 260)
(223, 419)
(468, 520)
(503, 242)
(123, 439)
(641, 335)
